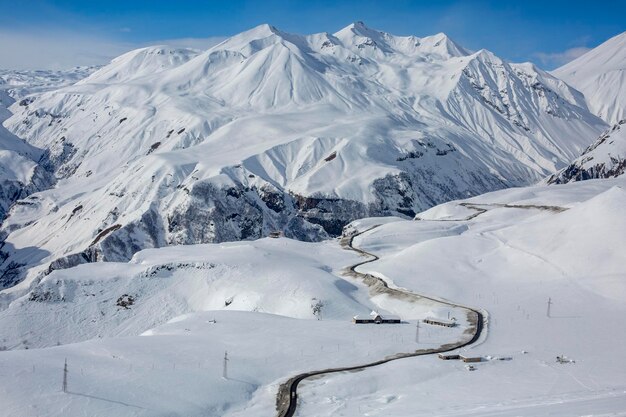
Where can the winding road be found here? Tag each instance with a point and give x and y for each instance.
(287, 397)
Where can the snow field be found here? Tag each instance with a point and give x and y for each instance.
(176, 369)
(509, 261)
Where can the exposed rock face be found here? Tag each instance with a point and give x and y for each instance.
(605, 158)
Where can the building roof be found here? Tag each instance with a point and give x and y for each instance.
(372, 317)
(445, 321)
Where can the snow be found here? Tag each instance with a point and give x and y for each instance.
(179, 309)
(140, 63)
(163, 136)
(601, 75)
(277, 276)
(605, 158)
(20, 174)
(161, 157)
(176, 369)
(164, 354)
(508, 261)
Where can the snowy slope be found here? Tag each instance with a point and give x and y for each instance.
(20, 174)
(17, 158)
(605, 158)
(283, 277)
(527, 244)
(274, 131)
(561, 242)
(25, 82)
(24, 168)
(139, 63)
(601, 75)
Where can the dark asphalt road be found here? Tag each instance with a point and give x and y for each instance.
(287, 406)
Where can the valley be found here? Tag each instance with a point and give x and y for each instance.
(349, 224)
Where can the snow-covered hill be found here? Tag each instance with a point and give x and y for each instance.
(601, 75)
(24, 168)
(529, 245)
(274, 131)
(275, 276)
(507, 252)
(15, 85)
(20, 173)
(605, 158)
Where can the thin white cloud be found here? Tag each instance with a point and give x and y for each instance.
(65, 49)
(557, 59)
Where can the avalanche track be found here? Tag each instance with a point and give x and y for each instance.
(287, 397)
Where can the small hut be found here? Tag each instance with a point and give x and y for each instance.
(376, 318)
(449, 356)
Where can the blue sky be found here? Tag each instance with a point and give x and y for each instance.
(49, 33)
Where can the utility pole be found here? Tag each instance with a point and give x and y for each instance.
(549, 304)
(417, 332)
(65, 376)
(225, 373)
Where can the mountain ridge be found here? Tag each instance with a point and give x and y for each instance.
(600, 74)
(269, 131)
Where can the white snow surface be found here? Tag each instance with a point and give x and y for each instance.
(533, 243)
(604, 158)
(508, 261)
(18, 159)
(273, 276)
(600, 75)
(323, 115)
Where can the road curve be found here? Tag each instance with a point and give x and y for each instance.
(287, 398)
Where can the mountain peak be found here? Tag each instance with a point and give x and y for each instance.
(444, 45)
(600, 75)
(261, 31)
(252, 40)
(360, 29)
(359, 25)
(141, 62)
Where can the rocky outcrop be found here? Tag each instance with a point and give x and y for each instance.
(605, 158)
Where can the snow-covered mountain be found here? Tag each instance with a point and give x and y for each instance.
(20, 173)
(274, 131)
(601, 75)
(23, 167)
(605, 158)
